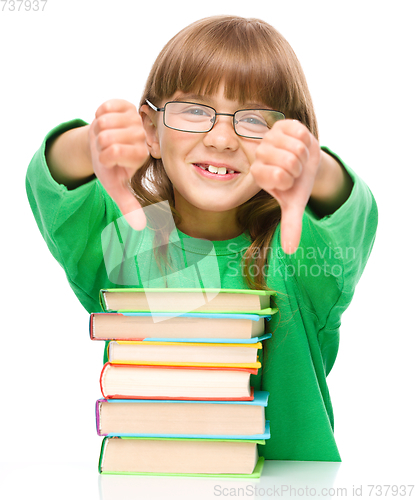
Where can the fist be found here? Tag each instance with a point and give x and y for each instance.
(118, 149)
(286, 163)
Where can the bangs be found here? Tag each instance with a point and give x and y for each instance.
(248, 56)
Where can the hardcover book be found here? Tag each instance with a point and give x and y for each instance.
(184, 354)
(175, 382)
(196, 419)
(171, 456)
(146, 325)
(186, 300)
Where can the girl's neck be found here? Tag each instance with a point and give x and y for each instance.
(213, 226)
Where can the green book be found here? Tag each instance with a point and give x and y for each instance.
(204, 300)
(236, 458)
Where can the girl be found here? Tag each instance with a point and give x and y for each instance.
(227, 136)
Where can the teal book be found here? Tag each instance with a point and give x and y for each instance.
(184, 419)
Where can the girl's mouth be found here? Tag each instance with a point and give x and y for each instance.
(212, 172)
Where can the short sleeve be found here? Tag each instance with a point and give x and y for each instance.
(71, 223)
(333, 252)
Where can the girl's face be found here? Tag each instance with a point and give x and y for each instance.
(183, 152)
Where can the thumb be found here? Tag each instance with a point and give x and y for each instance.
(291, 228)
(129, 206)
(115, 182)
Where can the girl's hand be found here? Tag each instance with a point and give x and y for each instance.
(287, 162)
(118, 149)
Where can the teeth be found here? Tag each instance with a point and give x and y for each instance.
(216, 170)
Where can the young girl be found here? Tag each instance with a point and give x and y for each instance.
(226, 135)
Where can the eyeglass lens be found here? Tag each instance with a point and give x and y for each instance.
(191, 117)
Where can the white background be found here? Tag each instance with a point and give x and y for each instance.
(62, 63)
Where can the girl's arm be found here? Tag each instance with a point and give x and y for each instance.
(331, 188)
(112, 148)
(72, 221)
(68, 157)
(118, 146)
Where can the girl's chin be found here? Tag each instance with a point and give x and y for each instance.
(211, 200)
(211, 206)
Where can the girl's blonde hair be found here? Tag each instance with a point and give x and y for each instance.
(255, 63)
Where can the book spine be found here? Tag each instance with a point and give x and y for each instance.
(105, 367)
(92, 328)
(102, 451)
(98, 416)
(102, 300)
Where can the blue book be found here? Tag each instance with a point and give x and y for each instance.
(197, 419)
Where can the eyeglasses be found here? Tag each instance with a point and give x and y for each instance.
(198, 118)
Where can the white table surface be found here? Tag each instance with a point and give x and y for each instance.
(280, 479)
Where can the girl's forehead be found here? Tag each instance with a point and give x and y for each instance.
(215, 99)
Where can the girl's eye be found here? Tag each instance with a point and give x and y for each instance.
(253, 120)
(196, 111)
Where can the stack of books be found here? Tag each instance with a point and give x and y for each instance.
(176, 387)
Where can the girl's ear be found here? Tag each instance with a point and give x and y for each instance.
(152, 136)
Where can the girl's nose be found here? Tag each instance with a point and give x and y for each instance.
(222, 136)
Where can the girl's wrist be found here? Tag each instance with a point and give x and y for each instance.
(69, 158)
(86, 145)
(332, 186)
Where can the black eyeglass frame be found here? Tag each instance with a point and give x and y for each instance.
(213, 121)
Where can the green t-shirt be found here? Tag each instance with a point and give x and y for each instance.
(314, 286)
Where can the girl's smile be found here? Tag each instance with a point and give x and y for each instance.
(216, 173)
